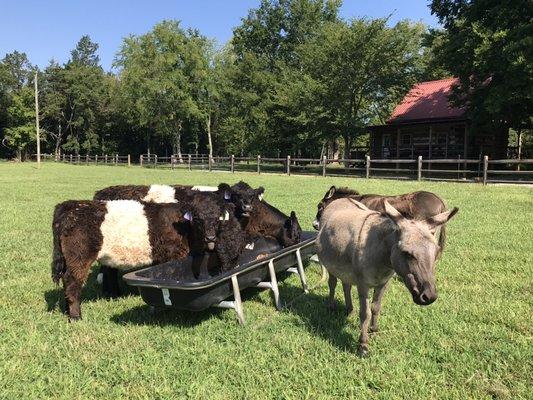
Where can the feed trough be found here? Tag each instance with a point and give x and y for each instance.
(189, 285)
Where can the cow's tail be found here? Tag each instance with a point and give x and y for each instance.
(58, 260)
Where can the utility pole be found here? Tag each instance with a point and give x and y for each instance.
(37, 122)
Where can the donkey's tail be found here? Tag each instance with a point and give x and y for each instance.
(58, 260)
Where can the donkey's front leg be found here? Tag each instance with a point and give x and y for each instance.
(379, 291)
(364, 319)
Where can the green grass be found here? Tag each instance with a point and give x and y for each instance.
(474, 342)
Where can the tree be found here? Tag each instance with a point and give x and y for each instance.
(16, 100)
(361, 69)
(488, 45)
(161, 74)
(20, 131)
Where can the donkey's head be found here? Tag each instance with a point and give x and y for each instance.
(333, 193)
(414, 252)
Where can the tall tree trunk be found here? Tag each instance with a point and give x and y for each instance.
(19, 154)
(57, 151)
(177, 142)
(347, 146)
(209, 139)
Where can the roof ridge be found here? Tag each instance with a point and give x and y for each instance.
(436, 80)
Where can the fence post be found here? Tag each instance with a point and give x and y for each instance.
(155, 160)
(79, 159)
(324, 162)
(190, 161)
(129, 160)
(116, 159)
(71, 158)
(141, 160)
(64, 157)
(86, 159)
(96, 159)
(419, 167)
(232, 164)
(209, 162)
(367, 167)
(172, 161)
(485, 168)
(258, 164)
(288, 165)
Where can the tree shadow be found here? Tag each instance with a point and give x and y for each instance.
(313, 311)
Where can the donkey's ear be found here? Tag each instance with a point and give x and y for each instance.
(393, 213)
(331, 192)
(441, 219)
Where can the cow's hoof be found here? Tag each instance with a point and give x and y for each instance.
(74, 318)
(362, 350)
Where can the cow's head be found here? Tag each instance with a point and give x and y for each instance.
(242, 196)
(207, 215)
(292, 231)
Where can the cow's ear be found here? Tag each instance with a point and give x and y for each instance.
(225, 190)
(330, 192)
(293, 216)
(187, 213)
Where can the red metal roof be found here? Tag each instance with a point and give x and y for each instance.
(427, 100)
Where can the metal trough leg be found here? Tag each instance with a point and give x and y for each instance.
(301, 271)
(237, 297)
(274, 284)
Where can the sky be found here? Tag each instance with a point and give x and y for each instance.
(49, 29)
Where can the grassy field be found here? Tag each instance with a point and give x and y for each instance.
(474, 342)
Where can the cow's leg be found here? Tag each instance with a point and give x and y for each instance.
(376, 305)
(114, 287)
(347, 289)
(72, 286)
(364, 319)
(332, 283)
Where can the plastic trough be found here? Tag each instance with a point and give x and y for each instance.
(187, 284)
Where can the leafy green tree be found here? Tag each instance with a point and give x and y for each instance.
(488, 45)
(163, 74)
(20, 131)
(361, 68)
(17, 118)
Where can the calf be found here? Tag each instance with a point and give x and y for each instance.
(263, 219)
(365, 248)
(125, 234)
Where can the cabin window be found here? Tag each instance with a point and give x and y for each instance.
(385, 146)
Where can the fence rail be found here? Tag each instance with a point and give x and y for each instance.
(483, 170)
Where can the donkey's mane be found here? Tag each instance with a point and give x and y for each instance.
(346, 191)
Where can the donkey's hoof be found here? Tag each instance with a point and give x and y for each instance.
(362, 350)
(374, 329)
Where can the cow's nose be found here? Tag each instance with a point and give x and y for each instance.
(210, 238)
(316, 224)
(247, 207)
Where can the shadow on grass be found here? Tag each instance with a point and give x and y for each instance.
(92, 291)
(312, 309)
(146, 315)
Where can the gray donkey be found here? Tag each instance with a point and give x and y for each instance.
(365, 248)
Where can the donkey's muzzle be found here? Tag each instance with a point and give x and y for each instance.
(425, 298)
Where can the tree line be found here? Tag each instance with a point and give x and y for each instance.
(295, 79)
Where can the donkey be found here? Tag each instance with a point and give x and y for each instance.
(365, 248)
(416, 205)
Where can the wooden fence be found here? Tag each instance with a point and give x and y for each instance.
(482, 170)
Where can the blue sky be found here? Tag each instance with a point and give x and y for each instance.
(47, 29)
